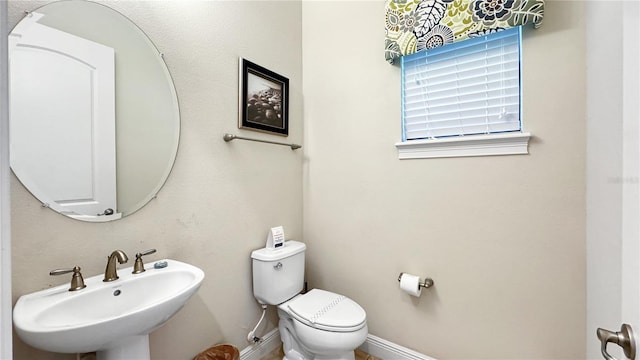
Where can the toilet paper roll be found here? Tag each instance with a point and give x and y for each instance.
(410, 284)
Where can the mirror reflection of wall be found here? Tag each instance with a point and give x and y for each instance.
(144, 103)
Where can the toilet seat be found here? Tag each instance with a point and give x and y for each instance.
(328, 311)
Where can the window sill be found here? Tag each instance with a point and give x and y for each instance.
(475, 145)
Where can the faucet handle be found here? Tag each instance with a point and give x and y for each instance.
(77, 282)
(138, 267)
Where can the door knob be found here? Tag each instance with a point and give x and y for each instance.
(108, 211)
(624, 338)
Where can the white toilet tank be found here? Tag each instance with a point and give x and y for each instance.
(278, 275)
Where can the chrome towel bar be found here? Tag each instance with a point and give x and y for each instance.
(229, 137)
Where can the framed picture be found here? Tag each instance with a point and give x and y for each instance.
(264, 99)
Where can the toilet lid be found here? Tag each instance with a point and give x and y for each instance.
(328, 311)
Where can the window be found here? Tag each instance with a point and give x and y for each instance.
(462, 95)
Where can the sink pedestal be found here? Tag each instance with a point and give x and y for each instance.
(132, 347)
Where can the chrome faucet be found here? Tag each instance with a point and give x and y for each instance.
(110, 272)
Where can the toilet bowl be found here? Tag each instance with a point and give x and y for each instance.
(313, 326)
(321, 325)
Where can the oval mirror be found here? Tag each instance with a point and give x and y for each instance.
(94, 115)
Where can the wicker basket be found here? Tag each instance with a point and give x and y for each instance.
(219, 352)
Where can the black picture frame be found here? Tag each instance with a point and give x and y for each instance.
(264, 99)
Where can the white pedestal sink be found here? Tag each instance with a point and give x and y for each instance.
(114, 318)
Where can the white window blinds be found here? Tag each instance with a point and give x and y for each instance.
(470, 87)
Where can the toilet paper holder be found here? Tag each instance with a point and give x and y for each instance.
(426, 283)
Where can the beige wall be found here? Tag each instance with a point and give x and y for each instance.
(503, 237)
(220, 199)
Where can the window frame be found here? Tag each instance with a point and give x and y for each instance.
(497, 143)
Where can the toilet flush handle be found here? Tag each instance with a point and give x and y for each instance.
(278, 266)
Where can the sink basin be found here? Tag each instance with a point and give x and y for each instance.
(112, 318)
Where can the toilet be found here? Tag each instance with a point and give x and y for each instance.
(313, 326)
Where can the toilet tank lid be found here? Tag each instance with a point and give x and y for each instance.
(290, 248)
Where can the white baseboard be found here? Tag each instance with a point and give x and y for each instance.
(378, 347)
(257, 351)
(386, 350)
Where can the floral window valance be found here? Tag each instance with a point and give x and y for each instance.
(415, 25)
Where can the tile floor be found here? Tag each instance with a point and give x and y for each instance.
(277, 354)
